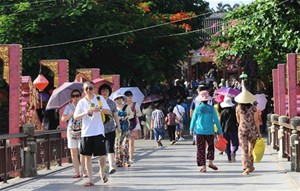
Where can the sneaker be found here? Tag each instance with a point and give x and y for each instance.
(181, 139)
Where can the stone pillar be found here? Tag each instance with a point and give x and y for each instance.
(292, 62)
(281, 90)
(274, 118)
(268, 125)
(281, 120)
(275, 90)
(294, 144)
(30, 166)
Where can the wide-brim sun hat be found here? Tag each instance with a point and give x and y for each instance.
(219, 98)
(227, 102)
(245, 97)
(204, 96)
(118, 96)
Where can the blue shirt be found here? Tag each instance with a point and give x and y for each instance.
(203, 119)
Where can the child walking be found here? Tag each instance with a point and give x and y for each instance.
(170, 120)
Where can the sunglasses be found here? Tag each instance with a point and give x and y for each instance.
(89, 88)
(76, 95)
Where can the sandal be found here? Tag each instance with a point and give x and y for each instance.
(84, 175)
(251, 169)
(112, 171)
(76, 176)
(88, 184)
(104, 179)
(212, 166)
(203, 170)
(246, 172)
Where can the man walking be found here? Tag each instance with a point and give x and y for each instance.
(92, 133)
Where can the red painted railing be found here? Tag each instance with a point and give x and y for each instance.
(51, 150)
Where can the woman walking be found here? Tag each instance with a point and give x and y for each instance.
(110, 127)
(122, 143)
(136, 132)
(73, 135)
(147, 111)
(230, 128)
(248, 120)
(203, 119)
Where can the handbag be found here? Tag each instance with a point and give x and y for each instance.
(131, 124)
(105, 117)
(142, 118)
(75, 129)
(221, 144)
(259, 150)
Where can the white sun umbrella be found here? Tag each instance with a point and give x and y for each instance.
(261, 101)
(137, 95)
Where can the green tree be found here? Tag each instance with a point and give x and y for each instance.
(150, 54)
(262, 33)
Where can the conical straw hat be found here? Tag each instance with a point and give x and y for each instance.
(245, 97)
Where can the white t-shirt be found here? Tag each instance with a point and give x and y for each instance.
(179, 111)
(91, 125)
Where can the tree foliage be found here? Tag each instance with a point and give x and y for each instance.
(150, 53)
(263, 31)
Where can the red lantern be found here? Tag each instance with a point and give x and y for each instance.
(40, 82)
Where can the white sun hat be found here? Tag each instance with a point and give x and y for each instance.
(227, 102)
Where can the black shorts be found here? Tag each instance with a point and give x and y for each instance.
(110, 141)
(93, 146)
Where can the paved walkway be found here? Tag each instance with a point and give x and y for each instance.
(171, 167)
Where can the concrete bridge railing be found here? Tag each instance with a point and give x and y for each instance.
(284, 136)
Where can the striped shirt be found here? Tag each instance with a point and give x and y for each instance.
(158, 118)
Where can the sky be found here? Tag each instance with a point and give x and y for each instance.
(213, 3)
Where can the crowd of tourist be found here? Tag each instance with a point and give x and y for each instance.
(109, 127)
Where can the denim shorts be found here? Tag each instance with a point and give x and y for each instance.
(158, 132)
(179, 126)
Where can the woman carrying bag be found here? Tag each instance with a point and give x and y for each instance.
(248, 120)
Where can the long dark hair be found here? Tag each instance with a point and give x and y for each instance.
(219, 108)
